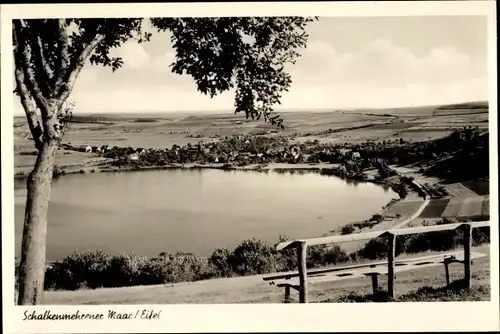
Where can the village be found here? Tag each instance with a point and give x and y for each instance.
(351, 161)
(238, 150)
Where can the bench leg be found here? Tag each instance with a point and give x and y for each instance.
(375, 284)
(287, 293)
(447, 272)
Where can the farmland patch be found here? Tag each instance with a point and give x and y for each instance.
(471, 207)
(453, 208)
(404, 208)
(397, 125)
(460, 191)
(480, 187)
(435, 208)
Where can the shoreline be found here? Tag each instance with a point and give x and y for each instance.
(280, 167)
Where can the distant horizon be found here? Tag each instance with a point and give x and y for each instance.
(288, 110)
(349, 63)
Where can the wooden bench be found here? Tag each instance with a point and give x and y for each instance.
(373, 270)
(299, 280)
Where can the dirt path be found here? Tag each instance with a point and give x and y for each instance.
(351, 247)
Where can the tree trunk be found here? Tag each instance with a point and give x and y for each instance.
(32, 266)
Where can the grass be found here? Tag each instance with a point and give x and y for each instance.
(455, 292)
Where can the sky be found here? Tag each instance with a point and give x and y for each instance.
(365, 62)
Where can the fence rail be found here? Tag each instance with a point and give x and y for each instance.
(302, 244)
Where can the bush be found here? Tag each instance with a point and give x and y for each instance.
(323, 255)
(124, 270)
(347, 229)
(77, 270)
(480, 235)
(94, 269)
(253, 257)
(378, 218)
(416, 243)
(286, 260)
(221, 261)
(186, 267)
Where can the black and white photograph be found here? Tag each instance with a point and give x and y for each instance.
(226, 158)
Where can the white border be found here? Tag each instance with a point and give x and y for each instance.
(262, 317)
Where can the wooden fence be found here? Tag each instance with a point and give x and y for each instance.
(302, 244)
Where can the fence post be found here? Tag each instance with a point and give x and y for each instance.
(391, 254)
(302, 257)
(467, 254)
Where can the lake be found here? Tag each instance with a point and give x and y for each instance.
(196, 211)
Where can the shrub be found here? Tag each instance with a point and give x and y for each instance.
(124, 270)
(416, 243)
(347, 229)
(286, 260)
(253, 257)
(221, 260)
(79, 268)
(377, 248)
(481, 235)
(378, 218)
(154, 271)
(323, 255)
(178, 267)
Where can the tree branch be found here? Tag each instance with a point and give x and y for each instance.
(64, 54)
(43, 62)
(23, 55)
(28, 104)
(75, 68)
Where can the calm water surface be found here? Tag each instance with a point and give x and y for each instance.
(197, 211)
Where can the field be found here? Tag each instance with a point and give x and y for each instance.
(165, 130)
(435, 208)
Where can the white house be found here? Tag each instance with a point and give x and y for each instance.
(356, 155)
(88, 149)
(133, 156)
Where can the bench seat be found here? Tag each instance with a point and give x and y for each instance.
(374, 270)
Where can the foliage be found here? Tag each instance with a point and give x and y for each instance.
(221, 260)
(77, 270)
(323, 255)
(415, 243)
(245, 53)
(95, 269)
(436, 190)
(252, 257)
(347, 229)
(248, 54)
